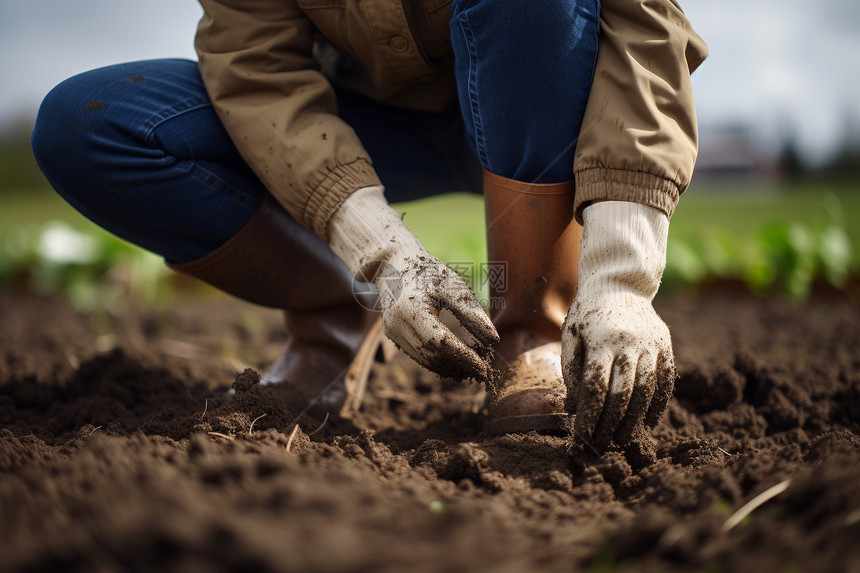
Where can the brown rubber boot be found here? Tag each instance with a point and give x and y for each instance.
(273, 261)
(530, 229)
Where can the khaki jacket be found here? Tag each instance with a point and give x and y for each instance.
(261, 64)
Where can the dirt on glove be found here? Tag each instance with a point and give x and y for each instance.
(120, 449)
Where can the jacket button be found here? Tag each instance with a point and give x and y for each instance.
(398, 44)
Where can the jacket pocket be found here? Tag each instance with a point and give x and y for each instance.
(428, 22)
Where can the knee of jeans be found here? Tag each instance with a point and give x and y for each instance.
(79, 136)
(60, 134)
(45, 138)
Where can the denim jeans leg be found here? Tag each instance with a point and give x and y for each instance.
(524, 71)
(138, 149)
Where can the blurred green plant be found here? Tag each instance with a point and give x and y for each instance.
(95, 270)
(781, 257)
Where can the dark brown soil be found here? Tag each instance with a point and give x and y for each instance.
(119, 450)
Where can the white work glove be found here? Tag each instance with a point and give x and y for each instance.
(369, 236)
(616, 352)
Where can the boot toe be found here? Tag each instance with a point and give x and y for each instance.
(530, 395)
(538, 409)
(310, 378)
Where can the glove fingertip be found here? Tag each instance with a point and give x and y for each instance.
(666, 374)
(449, 357)
(572, 370)
(641, 450)
(593, 385)
(470, 314)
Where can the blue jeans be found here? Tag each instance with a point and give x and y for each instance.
(152, 163)
(524, 70)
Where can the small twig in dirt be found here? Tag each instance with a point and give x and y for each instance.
(754, 504)
(357, 374)
(852, 518)
(724, 451)
(220, 435)
(321, 425)
(587, 443)
(73, 360)
(670, 537)
(205, 409)
(402, 397)
(251, 427)
(180, 349)
(189, 351)
(233, 363)
(292, 437)
(94, 430)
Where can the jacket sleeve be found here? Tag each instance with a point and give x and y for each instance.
(280, 111)
(639, 138)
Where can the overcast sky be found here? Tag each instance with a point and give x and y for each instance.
(776, 65)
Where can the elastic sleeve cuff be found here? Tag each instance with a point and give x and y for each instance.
(621, 185)
(331, 191)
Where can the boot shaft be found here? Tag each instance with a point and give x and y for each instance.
(530, 230)
(275, 262)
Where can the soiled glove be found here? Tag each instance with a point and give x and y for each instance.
(616, 352)
(369, 236)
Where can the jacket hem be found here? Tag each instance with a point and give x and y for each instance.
(332, 190)
(600, 183)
